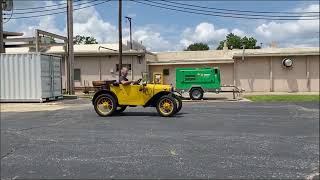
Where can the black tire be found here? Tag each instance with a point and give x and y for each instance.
(196, 93)
(179, 103)
(98, 107)
(161, 109)
(120, 109)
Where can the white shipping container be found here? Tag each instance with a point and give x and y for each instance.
(30, 77)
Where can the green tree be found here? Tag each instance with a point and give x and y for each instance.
(197, 47)
(85, 40)
(47, 40)
(236, 42)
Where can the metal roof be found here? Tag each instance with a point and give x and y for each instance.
(84, 50)
(7, 33)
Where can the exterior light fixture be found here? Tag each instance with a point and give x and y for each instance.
(286, 62)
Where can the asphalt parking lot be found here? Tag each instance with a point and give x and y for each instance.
(206, 140)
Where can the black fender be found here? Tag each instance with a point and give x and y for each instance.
(177, 94)
(196, 87)
(103, 91)
(152, 102)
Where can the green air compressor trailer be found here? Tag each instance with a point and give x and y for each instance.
(197, 81)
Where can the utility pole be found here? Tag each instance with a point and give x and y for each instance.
(129, 19)
(120, 36)
(70, 46)
(1, 28)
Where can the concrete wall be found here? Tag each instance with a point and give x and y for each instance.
(252, 74)
(225, 69)
(267, 74)
(261, 74)
(314, 72)
(290, 79)
(104, 68)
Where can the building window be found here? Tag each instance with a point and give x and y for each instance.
(77, 75)
(166, 72)
(124, 65)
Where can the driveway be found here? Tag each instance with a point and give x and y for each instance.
(206, 140)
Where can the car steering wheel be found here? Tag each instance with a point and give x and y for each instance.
(138, 81)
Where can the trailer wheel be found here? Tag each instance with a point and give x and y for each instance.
(196, 93)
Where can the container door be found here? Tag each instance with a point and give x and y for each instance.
(56, 76)
(46, 79)
(51, 77)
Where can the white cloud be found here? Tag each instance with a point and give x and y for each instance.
(88, 22)
(151, 39)
(239, 32)
(299, 33)
(28, 26)
(85, 14)
(204, 32)
(103, 31)
(46, 23)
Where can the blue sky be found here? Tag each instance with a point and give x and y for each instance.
(165, 30)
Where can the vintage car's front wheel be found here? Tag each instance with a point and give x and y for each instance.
(105, 105)
(166, 106)
(179, 103)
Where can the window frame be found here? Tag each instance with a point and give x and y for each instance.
(74, 74)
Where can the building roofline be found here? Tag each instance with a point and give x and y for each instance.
(277, 52)
(193, 61)
(102, 53)
(7, 33)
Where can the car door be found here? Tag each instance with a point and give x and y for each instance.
(132, 95)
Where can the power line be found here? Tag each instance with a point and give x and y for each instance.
(47, 14)
(8, 19)
(245, 11)
(216, 14)
(45, 10)
(21, 9)
(228, 13)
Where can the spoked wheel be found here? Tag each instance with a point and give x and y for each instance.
(166, 106)
(120, 109)
(105, 105)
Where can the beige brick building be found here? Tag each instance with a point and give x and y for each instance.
(258, 70)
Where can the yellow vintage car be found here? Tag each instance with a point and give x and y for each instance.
(112, 97)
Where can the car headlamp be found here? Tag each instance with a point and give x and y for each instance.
(172, 89)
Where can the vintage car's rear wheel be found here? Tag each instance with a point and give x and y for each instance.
(179, 103)
(120, 109)
(166, 106)
(105, 105)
